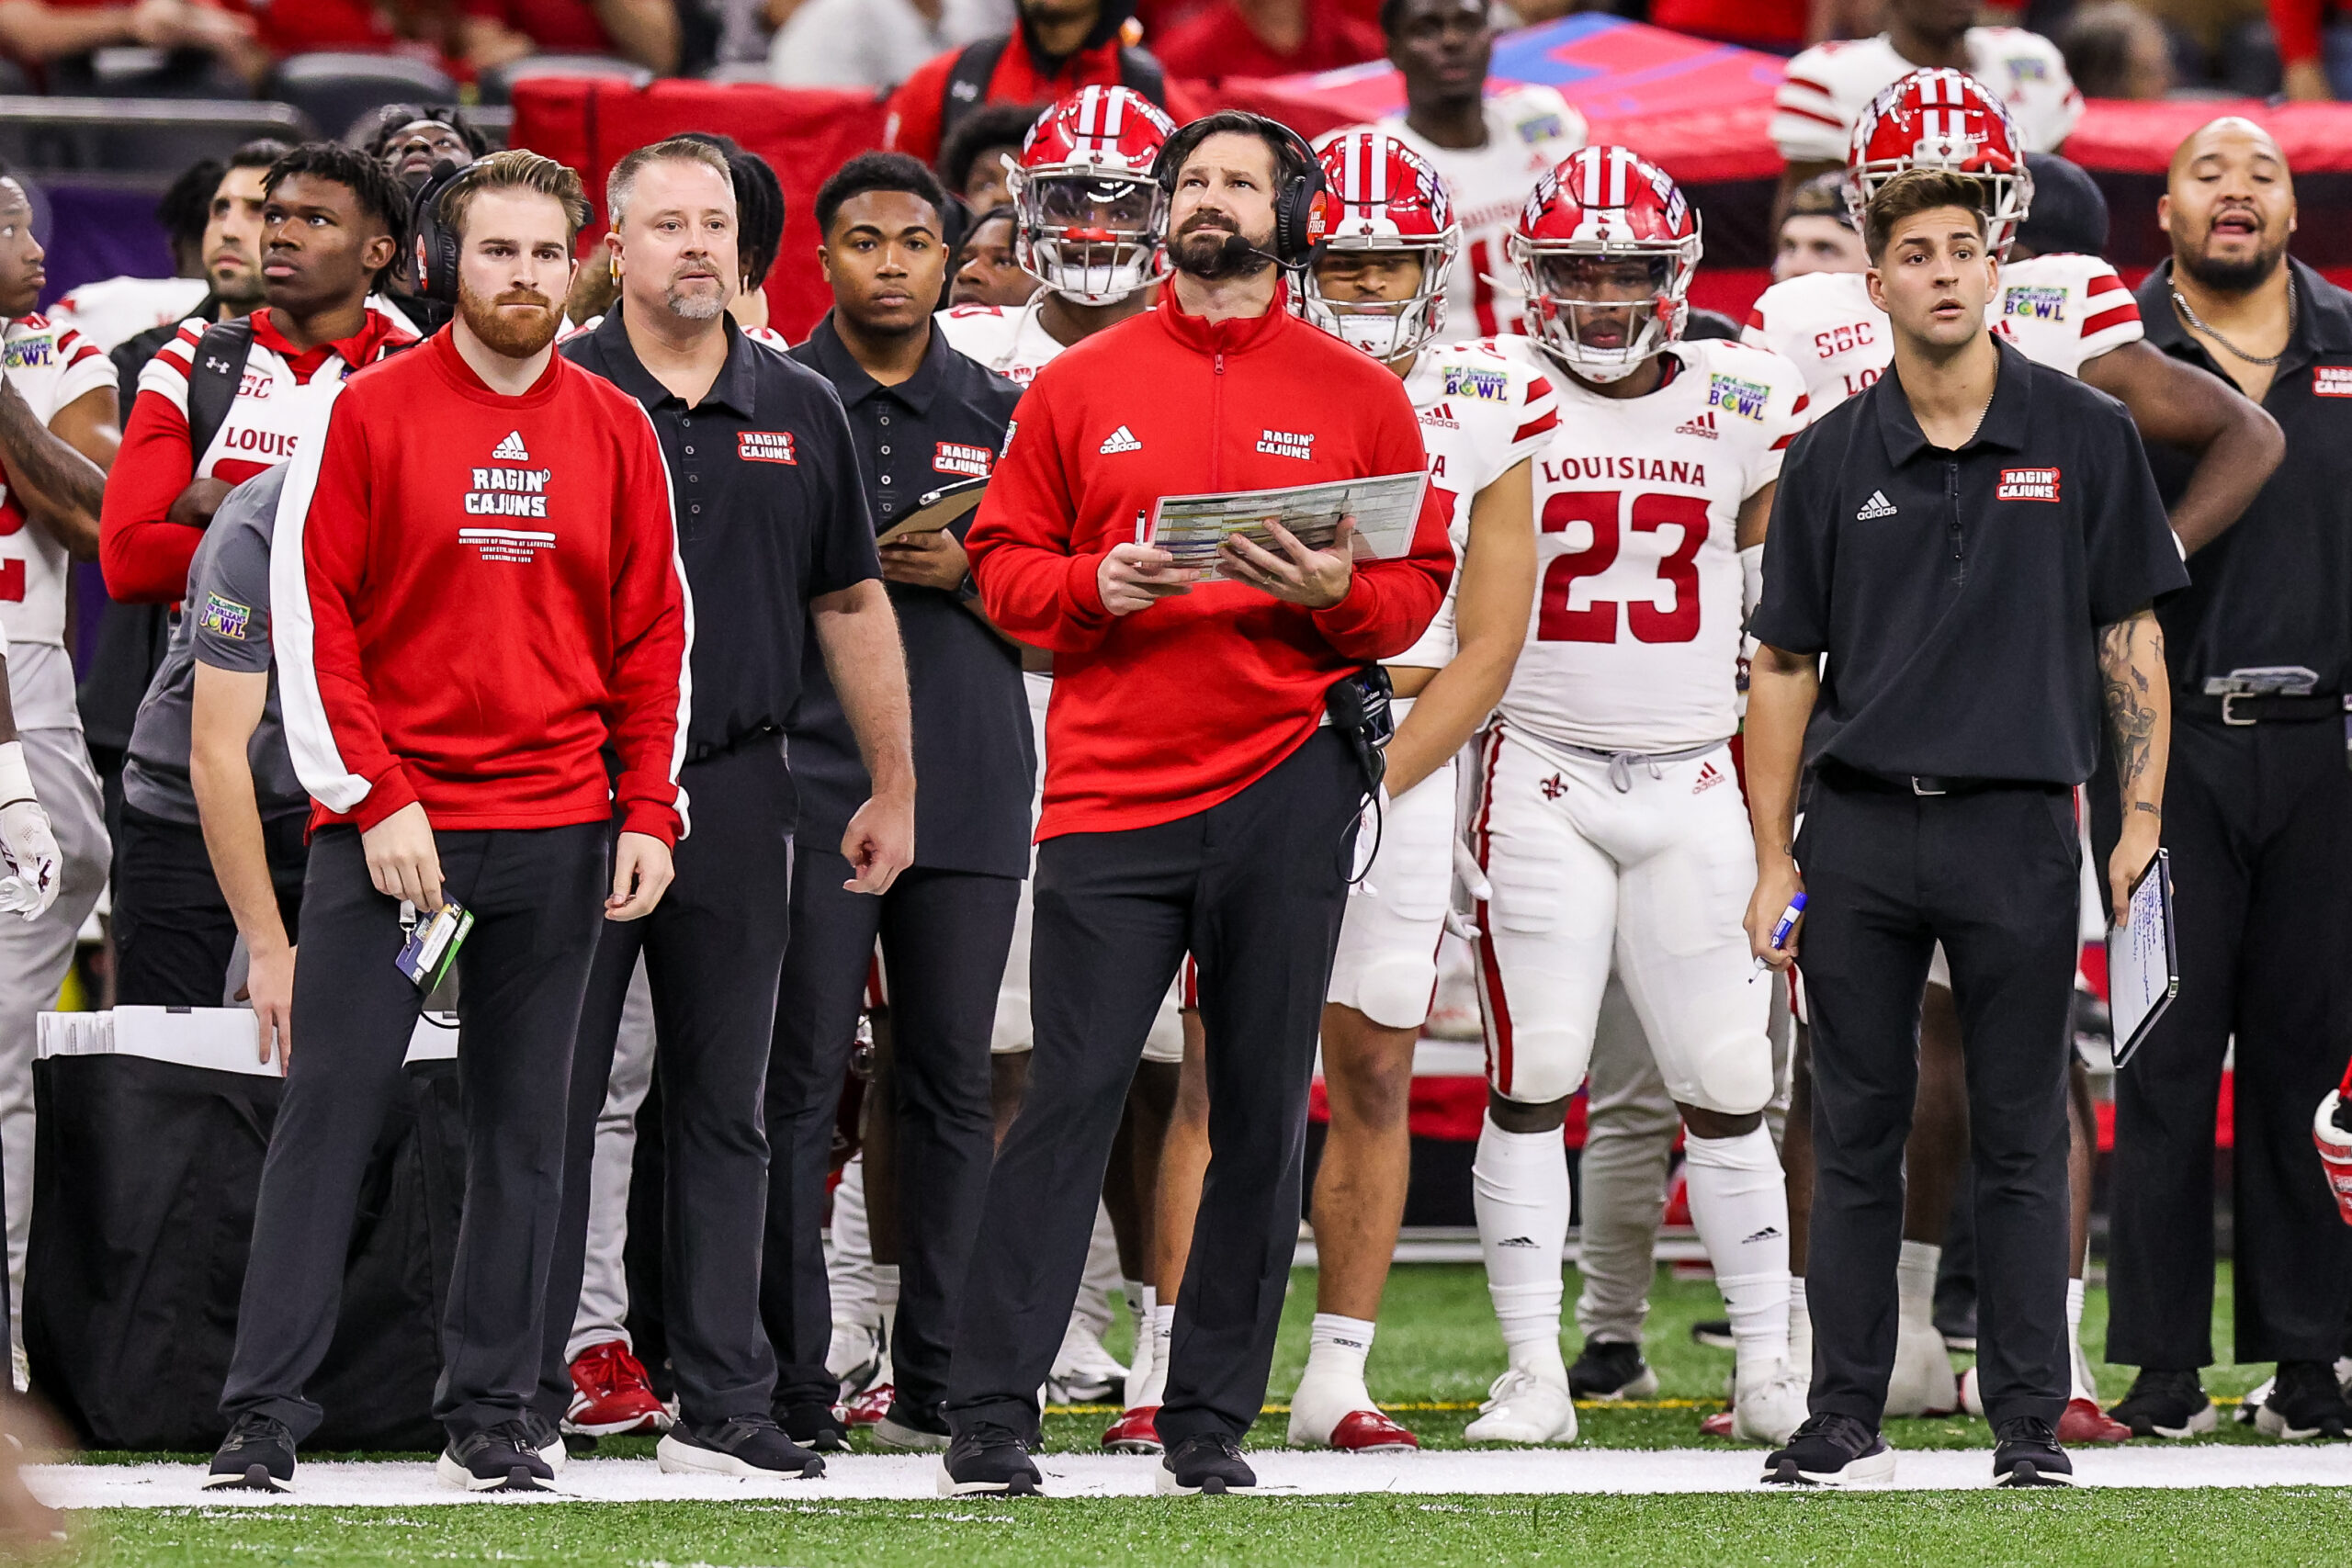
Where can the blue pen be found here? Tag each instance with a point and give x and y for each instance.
(1784, 925)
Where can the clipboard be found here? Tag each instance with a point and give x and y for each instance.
(936, 509)
(2143, 960)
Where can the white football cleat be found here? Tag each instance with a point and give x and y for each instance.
(1769, 1406)
(1922, 1382)
(1523, 1408)
(1084, 1373)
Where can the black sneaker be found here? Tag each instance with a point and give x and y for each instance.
(2305, 1401)
(1714, 1332)
(740, 1445)
(814, 1426)
(987, 1459)
(546, 1439)
(2026, 1454)
(505, 1458)
(2167, 1405)
(256, 1456)
(1832, 1450)
(1611, 1369)
(910, 1428)
(1207, 1466)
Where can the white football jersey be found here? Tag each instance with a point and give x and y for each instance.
(1826, 88)
(1009, 341)
(2061, 310)
(1482, 414)
(113, 310)
(276, 407)
(51, 367)
(1529, 129)
(1633, 645)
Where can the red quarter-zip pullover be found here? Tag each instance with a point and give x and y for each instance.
(474, 596)
(1166, 712)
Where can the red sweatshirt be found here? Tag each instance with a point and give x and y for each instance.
(144, 554)
(1166, 712)
(475, 594)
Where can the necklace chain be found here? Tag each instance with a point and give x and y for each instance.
(2180, 303)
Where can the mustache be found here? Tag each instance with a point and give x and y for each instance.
(523, 297)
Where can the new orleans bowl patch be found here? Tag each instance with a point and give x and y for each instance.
(224, 617)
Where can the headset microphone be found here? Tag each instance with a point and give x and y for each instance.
(1236, 248)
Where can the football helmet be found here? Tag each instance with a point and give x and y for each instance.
(1606, 247)
(1388, 199)
(1090, 221)
(1942, 119)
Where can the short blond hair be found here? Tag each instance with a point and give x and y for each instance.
(621, 183)
(514, 169)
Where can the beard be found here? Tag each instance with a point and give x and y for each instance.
(1209, 253)
(705, 306)
(2233, 277)
(513, 335)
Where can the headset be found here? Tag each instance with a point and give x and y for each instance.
(1302, 204)
(436, 246)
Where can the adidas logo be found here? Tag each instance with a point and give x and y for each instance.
(1702, 426)
(1442, 417)
(1518, 1241)
(1121, 440)
(1769, 1232)
(1876, 506)
(510, 449)
(1709, 777)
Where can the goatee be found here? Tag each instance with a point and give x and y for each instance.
(1215, 255)
(2233, 277)
(514, 333)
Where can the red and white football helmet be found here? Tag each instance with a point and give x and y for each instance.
(1606, 246)
(1092, 221)
(1387, 199)
(1942, 119)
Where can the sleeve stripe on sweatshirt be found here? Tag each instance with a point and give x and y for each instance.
(686, 648)
(318, 762)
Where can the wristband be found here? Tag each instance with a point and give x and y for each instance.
(15, 779)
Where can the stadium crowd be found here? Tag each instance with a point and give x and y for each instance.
(772, 724)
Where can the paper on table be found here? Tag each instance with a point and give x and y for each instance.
(2142, 977)
(1386, 509)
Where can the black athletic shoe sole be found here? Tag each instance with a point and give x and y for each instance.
(256, 1478)
(2025, 1473)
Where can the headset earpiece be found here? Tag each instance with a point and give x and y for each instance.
(436, 247)
(1302, 198)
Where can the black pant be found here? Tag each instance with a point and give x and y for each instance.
(712, 947)
(2259, 824)
(537, 899)
(1996, 877)
(172, 932)
(1254, 889)
(944, 936)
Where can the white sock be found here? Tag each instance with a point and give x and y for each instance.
(1139, 1298)
(1520, 1187)
(1163, 1335)
(1914, 1283)
(886, 1294)
(2077, 1362)
(1799, 1329)
(1143, 1304)
(1335, 1348)
(1739, 1202)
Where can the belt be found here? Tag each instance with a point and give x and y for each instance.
(1622, 763)
(2239, 709)
(1845, 776)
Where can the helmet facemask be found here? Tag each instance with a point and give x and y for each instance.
(1093, 236)
(1604, 313)
(1388, 330)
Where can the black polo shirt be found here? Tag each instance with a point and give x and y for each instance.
(1959, 594)
(2275, 592)
(770, 514)
(975, 758)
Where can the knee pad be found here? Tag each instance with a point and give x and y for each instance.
(1391, 987)
(1732, 1078)
(1542, 1065)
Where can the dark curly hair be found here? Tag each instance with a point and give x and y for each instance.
(378, 195)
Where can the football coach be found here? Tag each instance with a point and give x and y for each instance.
(1195, 797)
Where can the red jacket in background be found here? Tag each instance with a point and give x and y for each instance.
(1166, 712)
(1218, 43)
(474, 594)
(2296, 25)
(914, 109)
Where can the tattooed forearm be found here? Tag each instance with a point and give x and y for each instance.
(60, 485)
(2138, 698)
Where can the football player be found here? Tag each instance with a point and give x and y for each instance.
(1608, 819)
(1089, 222)
(1381, 284)
(2065, 308)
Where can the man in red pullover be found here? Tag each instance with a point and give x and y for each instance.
(1194, 799)
(476, 593)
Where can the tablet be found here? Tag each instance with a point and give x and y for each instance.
(2142, 966)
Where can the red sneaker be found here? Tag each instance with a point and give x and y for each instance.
(1135, 1432)
(611, 1394)
(2084, 1422)
(870, 1406)
(1371, 1432)
(1716, 1425)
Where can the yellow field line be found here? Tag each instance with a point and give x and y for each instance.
(1434, 1405)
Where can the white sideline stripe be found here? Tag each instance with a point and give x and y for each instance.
(1279, 1473)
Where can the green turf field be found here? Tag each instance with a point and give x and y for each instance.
(1438, 1347)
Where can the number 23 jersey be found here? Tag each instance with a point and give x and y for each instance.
(1633, 643)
